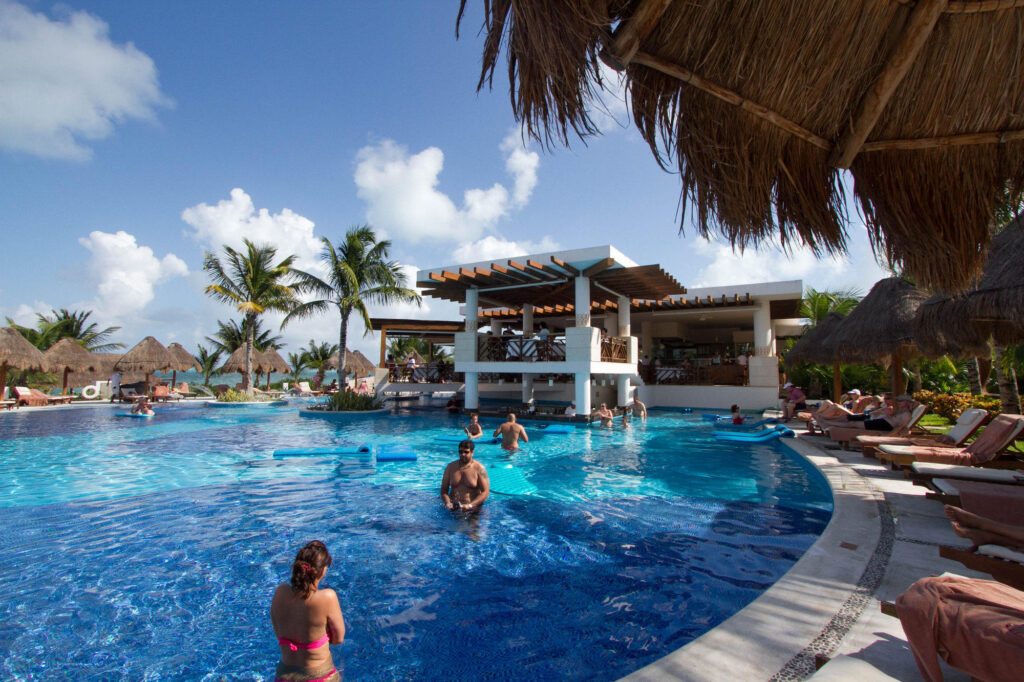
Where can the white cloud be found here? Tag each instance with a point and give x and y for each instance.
(403, 199)
(25, 314)
(126, 272)
(62, 81)
(232, 220)
(493, 248)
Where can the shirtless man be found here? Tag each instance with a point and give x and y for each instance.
(510, 433)
(639, 409)
(473, 430)
(605, 414)
(465, 484)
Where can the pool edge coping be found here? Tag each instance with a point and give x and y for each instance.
(810, 608)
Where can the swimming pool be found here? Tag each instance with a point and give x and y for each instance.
(148, 549)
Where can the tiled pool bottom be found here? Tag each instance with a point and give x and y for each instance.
(176, 585)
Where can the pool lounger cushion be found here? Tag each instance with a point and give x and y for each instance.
(458, 439)
(756, 437)
(749, 425)
(558, 428)
(136, 416)
(507, 479)
(331, 450)
(395, 453)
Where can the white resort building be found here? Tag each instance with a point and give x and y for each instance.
(591, 326)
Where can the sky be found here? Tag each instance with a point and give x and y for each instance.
(136, 137)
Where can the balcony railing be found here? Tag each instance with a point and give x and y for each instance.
(518, 349)
(431, 373)
(614, 350)
(714, 375)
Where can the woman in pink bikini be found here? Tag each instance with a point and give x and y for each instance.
(306, 619)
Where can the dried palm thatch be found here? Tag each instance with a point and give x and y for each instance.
(17, 353)
(963, 325)
(355, 363)
(69, 355)
(103, 364)
(147, 356)
(236, 362)
(882, 324)
(183, 360)
(814, 345)
(760, 106)
(271, 361)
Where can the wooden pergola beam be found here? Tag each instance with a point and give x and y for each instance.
(919, 28)
(565, 266)
(598, 267)
(626, 41)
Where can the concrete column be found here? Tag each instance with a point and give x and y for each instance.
(495, 327)
(527, 388)
(527, 319)
(472, 309)
(622, 385)
(624, 327)
(583, 393)
(763, 367)
(582, 303)
(472, 391)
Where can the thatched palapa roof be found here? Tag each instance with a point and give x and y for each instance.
(17, 353)
(760, 106)
(148, 355)
(69, 354)
(183, 360)
(355, 362)
(815, 345)
(236, 361)
(271, 361)
(881, 325)
(994, 309)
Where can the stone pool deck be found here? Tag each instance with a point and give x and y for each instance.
(883, 536)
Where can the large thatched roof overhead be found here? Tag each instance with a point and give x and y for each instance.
(183, 360)
(994, 309)
(148, 355)
(16, 352)
(816, 344)
(881, 324)
(760, 106)
(69, 354)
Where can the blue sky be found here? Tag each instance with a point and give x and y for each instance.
(134, 137)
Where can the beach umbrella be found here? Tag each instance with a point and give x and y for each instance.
(363, 365)
(183, 361)
(271, 361)
(816, 346)
(994, 309)
(17, 353)
(147, 356)
(236, 361)
(355, 363)
(881, 327)
(69, 355)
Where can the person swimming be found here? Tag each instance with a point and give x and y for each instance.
(300, 611)
(510, 433)
(143, 407)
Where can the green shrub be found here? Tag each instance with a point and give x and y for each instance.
(233, 396)
(347, 401)
(951, 406)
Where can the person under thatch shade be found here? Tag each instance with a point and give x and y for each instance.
(881, 327)
(355, 363)
(17, 353)
(919, 101)
(147, 356)
(69, 355)
(816, 346)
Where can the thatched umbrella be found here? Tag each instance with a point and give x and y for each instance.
(69, 355)
(271, 361)
(920, 101)
(236, 361)
(816, 345)
(881, 327)
(148, 356)
(183, 361)
(415, 356)
(103, 367)
(355, 363)
(16, 352)
(994, 309)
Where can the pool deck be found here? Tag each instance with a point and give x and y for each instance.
(883, 536)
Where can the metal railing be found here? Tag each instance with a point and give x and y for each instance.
(519, 349)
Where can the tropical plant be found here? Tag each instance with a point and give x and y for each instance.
(68, 324)
(208, 361)
(349, 401)
(298, 362)
(251, 282)
(358, 273)
(233, 396)
(230, 336)
(817, 304)
(400, 347)
(317, 355)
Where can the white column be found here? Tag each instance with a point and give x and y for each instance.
(624, 327)
(763, 367)
(527, 388)
(583, 393)
(582, 304)
(622, 384)
(472, 309)
(527, 319)
(495, 327)
(472, 391)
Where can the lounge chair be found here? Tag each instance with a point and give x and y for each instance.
(1002, 563)
(970, 421)
(184, 392)
(304, 389)
(863, 405)
(993, 441)
(996, 501)
(8, 404)
(926, 471)
(845, 435)
(33, 398)
(162, 392)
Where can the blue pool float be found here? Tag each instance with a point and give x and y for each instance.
(483, 440)
(749, 425)
(135, 415)
(713, 417)
(331, 450)
(558, 428)
(395, 453)
(507, 479)
(755, 437)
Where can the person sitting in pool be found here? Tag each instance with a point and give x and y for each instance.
(465, 484)
(605, 414)
(473, 429)
(142, 406)
(737, 417)
(306, 618)
(510, 433)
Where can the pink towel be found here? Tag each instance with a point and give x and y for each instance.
(991, 440)
(1003, 503)
(974, 625)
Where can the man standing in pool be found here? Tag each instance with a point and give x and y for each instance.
(465, 484)
(474, 430)
(510, 433)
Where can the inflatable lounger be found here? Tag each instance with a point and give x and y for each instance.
(315, 452)
(747, 425)
(507, 479)
(557, 428)
(458, 439)
(135, 416)
(395, 453)
(713, 417)
(755, 437)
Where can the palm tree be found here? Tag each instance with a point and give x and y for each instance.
(358, 273)
(817, 304)
(297, 361)
(254, 285)
(230, 336)
(317, 355)
(68, 324)
(208, 361)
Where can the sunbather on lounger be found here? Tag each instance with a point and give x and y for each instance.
(975, 625)
(983, 531)
(888, 418)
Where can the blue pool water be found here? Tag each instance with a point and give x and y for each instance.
(148, 549)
